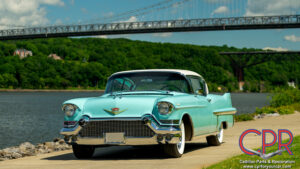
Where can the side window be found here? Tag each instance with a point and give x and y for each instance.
(197, 85)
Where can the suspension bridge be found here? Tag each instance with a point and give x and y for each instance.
(193, 22)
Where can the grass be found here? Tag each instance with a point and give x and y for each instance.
(236, 162)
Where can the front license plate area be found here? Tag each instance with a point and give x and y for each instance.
(114, 138)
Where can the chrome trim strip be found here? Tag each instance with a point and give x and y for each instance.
(225, 113)
(188, 107)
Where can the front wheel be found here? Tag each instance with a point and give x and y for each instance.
(83, 151)
(216, 140)
(176, 150)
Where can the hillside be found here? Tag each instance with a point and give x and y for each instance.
(87, 62)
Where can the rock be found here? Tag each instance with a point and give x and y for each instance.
(49, 145)
(27, 149)
(61, 141)
(56, 139)
(273, 115)
(16, 155)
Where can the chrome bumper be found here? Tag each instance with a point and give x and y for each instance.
(164, 134)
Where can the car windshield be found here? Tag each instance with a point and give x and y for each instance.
(147, 81)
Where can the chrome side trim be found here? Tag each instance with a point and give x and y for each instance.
(188, 107)
(225, 113)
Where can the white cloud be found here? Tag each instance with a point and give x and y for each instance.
(58, 22)
(164, 35)
(279, 49)
(25, 12)
(292, 38)
(272, 7)
(218, 1)
(220, 10)
(131, 19)
(72, 2)
(84, 10)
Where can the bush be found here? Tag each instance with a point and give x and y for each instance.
(265, 110)
(244, 117)
(286, 110)
(285, 97)
(296, 106)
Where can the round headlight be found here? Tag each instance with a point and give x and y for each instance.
(69, 110)
(164, 108)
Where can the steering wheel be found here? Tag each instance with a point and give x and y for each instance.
(171, 86)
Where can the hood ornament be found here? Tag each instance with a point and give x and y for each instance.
(114, 111)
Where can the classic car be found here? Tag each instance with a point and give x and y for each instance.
(148, 107)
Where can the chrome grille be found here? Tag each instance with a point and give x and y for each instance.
(130, 128)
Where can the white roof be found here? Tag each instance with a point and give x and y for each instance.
(183, 72)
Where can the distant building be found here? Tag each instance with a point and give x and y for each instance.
(54, 56)
(22, 53)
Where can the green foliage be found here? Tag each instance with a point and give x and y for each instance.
(244, 117)
(88, 62)
(286, 110)
(285, 97)
(265, 110)
(234, 162)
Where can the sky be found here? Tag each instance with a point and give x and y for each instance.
(58, 12)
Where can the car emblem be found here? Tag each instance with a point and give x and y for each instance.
(114, 111)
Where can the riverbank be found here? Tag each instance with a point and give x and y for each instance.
(197, 154)
(27, 149)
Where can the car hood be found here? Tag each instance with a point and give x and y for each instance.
(128, 105)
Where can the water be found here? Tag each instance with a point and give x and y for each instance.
(36, 117)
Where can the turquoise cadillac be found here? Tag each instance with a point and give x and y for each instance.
(148, 107)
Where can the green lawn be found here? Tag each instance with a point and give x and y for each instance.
(236, 162)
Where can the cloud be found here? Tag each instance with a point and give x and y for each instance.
(72, 2)
(84, 10)
(220, 10)
(218, 1)
(131, 19)
(279, 49)
(292, 38)
(164, 35)
(25, 12)
(272, 7)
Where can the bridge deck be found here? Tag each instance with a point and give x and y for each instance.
(210, 24)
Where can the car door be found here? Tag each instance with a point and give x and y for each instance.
(203, 116)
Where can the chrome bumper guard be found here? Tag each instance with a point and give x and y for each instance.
(164, 134)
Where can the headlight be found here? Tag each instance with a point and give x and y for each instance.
(165, 108)
(69, 109)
